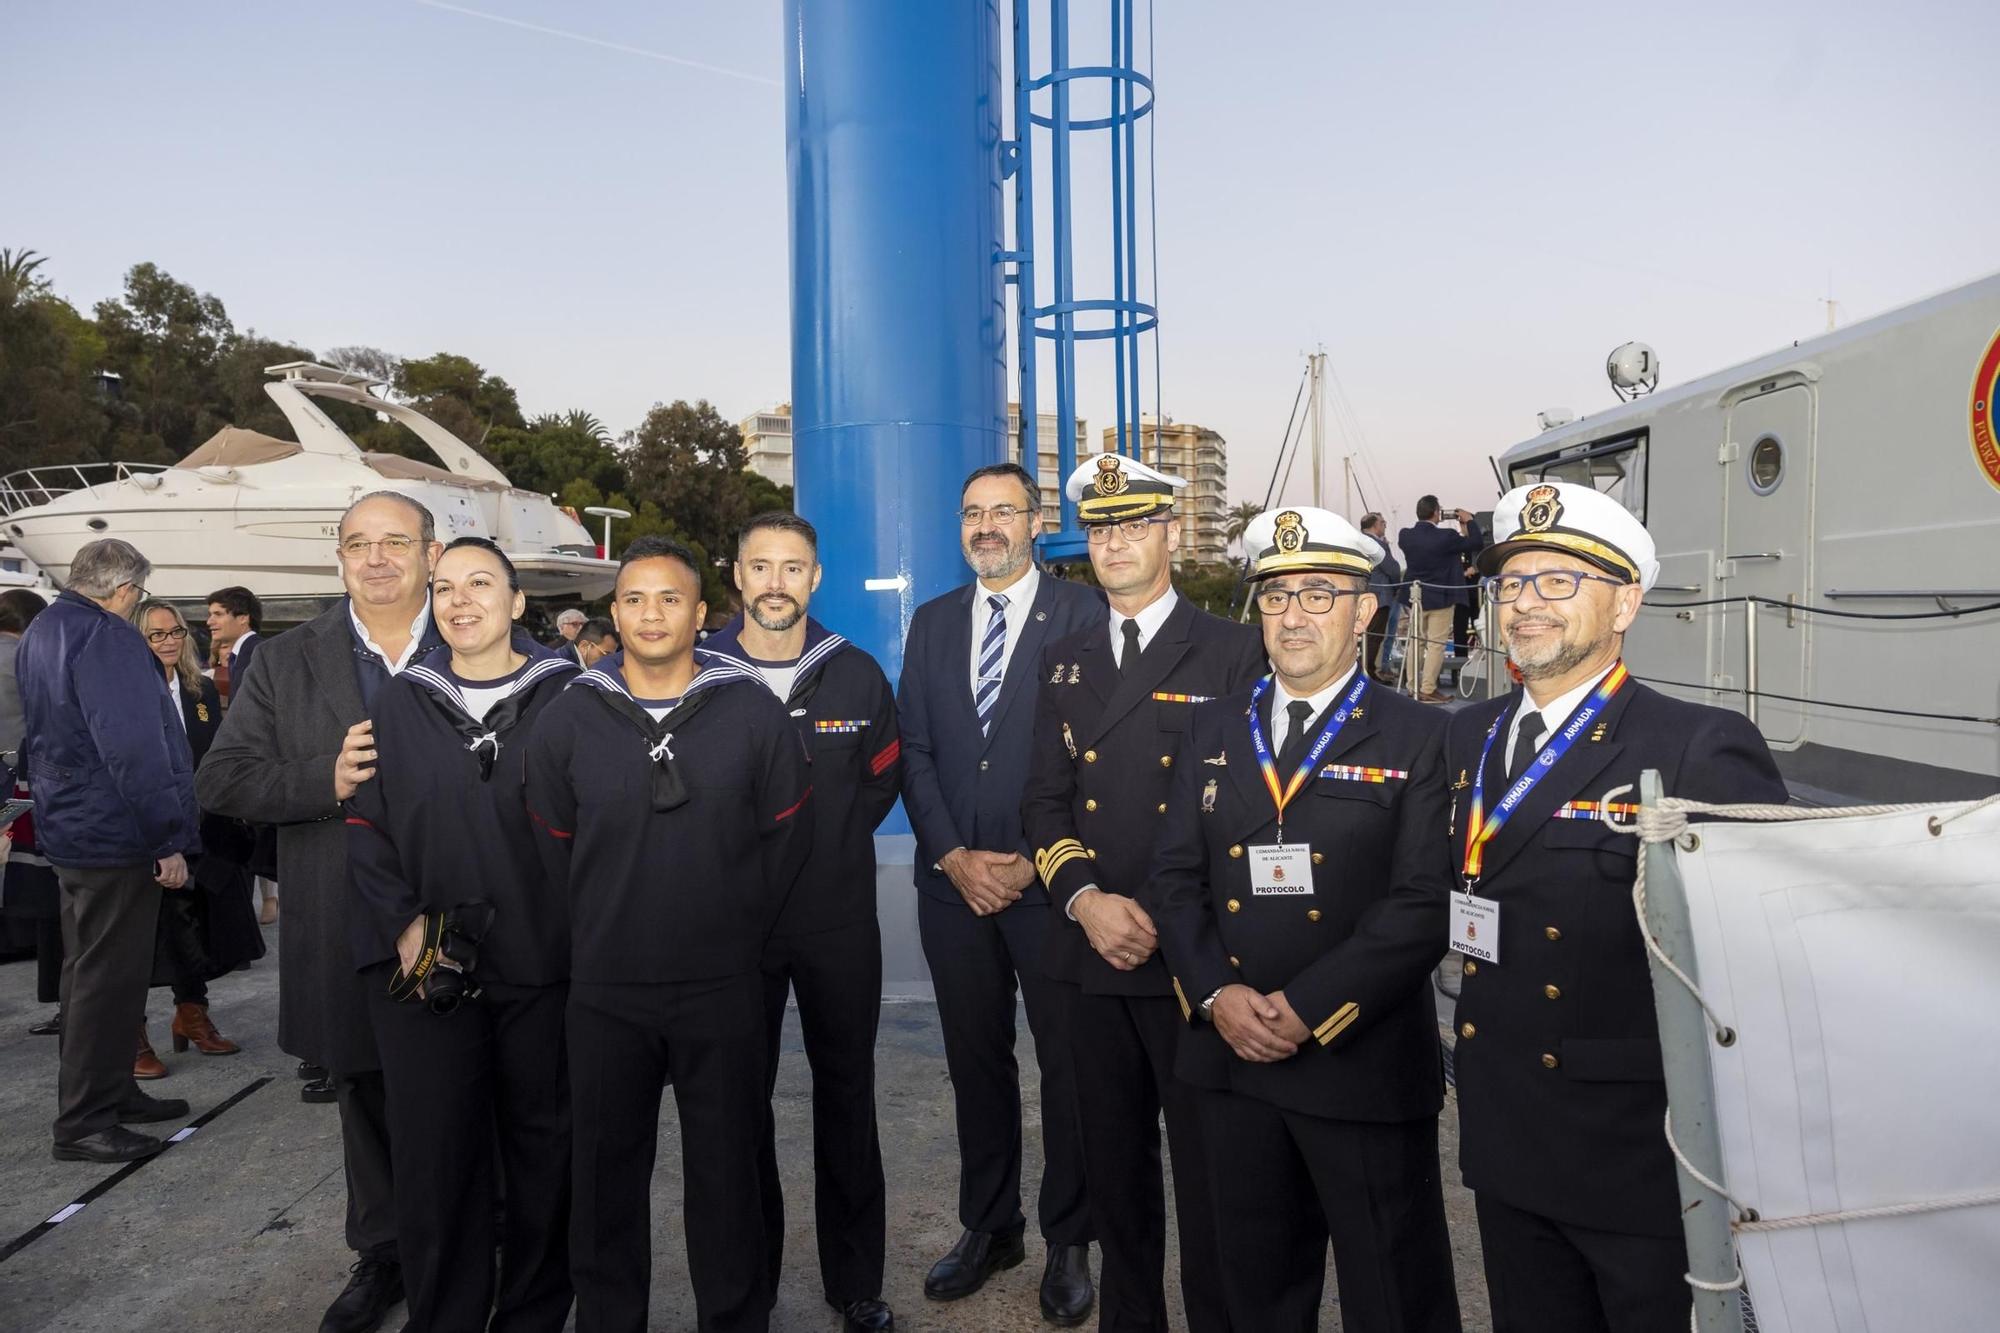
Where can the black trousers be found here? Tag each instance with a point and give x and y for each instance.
(109, 917)
(49, 959)
(1123, 1050)
(1544, 1274)
(1285, 1184)
(837, 975)
(976, 963)
(455, 1083)
(625, 1041)
(366, 1160)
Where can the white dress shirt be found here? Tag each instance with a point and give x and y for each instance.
(395, 664)
(1150, 618)
(1553, 716)
(174, 697)
(1282, 700)
(1020, 595)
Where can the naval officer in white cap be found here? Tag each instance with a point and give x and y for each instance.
(1115, 702)
(1560, 1088)
(1300, 887)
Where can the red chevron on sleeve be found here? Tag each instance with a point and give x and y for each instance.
(549, 828)
(888, 756)
(358, 820)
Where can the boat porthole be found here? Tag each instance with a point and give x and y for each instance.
(97, 525)
(1767, 465)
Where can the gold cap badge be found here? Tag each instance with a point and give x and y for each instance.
(1540, 510)
(1291, 534)
(1110, 478)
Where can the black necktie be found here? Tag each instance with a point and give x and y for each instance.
(1128, 656)
(1301, 714)
(1524, 744)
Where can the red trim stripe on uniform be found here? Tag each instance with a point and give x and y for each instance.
(783, 815)
(888, 756)
(357, 819)
(551, 829)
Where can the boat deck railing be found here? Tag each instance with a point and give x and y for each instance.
(32, 486)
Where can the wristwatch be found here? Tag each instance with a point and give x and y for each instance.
(1207, 1007)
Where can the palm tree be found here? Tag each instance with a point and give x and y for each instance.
(1240, 518)
(18, 282)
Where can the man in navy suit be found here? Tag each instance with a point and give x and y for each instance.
(1436, 559)
(235, 617)
(967, 705)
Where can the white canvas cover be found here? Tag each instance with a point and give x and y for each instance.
(1858, 960)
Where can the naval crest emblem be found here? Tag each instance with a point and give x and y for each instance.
(1291, 534)
(1540, 510)
(1110, 478)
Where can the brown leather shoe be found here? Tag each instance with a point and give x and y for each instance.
(147, 1064)
(192, 1024)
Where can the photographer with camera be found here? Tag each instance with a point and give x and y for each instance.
(464, 946)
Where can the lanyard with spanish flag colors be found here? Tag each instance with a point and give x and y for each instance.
(1479, 829)
(1282, 797)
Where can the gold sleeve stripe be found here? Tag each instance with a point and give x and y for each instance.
(1338, 1024)
(1181, 995)
(1056, 857)
(1345, 1011)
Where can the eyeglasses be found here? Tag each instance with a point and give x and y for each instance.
(162, 635)
(974, 515)
(1314, 601)
(1551, 585)
(1132, 529)
(357, 548)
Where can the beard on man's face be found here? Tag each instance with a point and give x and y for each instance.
(776, 612)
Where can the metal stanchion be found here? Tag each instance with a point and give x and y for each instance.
(1412, 676)
(1750, 658)
(1684, 1038)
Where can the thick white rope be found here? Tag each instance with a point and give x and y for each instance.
(1668, 822)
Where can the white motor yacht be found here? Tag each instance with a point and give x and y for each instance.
(251, 509)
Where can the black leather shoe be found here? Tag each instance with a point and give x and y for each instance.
(309, 1072)
(48, 1028)
(1066, 1291)
(319, 1090)
(117, 1144)
(977, 1256)
(869, 1316)
(144, 1110)
(372, 1292)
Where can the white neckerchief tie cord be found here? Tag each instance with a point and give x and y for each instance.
(1668, 822)
(663, 748)
(491, 738)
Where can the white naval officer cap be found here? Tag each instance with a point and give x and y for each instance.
(1111, 488)
(1300, 539)
(1575, 519)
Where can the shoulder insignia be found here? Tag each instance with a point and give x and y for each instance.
(1357, 713)
(1208, 798)
(1597, 732)
(1220, 761)
(1069, 741)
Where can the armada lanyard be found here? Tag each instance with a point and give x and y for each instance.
(1269, 765)
(1479, 830)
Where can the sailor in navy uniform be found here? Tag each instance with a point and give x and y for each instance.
(671, 806)
(1114, 705)
(827, 945)
(1299, 887)
(1560, 1087)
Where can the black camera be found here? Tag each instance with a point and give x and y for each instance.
(446, 969)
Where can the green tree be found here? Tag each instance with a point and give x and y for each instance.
(458, 394)
(163, 338)
(689, 461)
(551, 452)
(51, 409)
(1240, 518)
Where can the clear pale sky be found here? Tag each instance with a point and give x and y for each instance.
(1467, 204)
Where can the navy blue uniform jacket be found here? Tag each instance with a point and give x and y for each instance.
(675, 841)
(1105, 747)
(846, 717)
(441, 823)
(962, 789)
(1353, 956)
(1561, 1092)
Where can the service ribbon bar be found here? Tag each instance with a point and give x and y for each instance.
(1354, 774)
(1162, 697)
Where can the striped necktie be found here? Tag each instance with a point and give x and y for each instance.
(992, 649)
